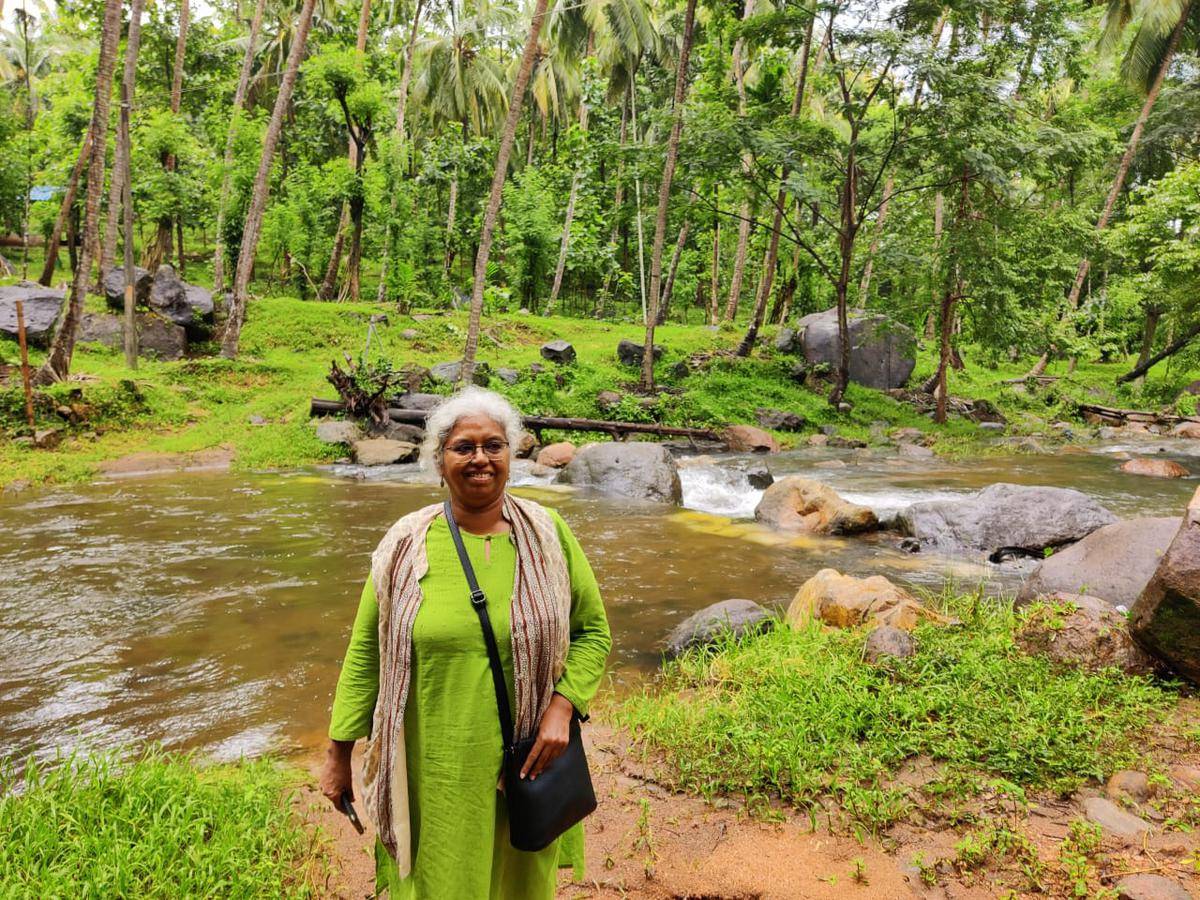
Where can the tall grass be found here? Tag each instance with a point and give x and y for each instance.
(799, 715)
(157, 826)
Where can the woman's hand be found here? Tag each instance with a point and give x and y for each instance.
(553, 734)
(336, 778)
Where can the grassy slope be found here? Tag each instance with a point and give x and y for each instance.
(287, 347)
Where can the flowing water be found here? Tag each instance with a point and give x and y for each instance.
(211, 611)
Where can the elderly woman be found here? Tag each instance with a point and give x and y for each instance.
(416, 678)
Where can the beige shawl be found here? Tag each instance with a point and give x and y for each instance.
(540, 613)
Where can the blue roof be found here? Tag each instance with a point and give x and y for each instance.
(43, 192)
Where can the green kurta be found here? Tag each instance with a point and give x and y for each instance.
(453, 746)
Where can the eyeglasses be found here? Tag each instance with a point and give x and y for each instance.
(466, 450)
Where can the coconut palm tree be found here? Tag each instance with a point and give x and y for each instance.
(258, 197)
(664, 192)
(487, 233)
(58, 362)
(160, 248)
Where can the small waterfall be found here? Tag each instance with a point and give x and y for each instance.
(719, 490)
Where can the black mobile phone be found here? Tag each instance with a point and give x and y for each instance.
(348, 808)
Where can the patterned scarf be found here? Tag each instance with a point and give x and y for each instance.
(540, 613)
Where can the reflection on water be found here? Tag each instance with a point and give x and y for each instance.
(211, 610)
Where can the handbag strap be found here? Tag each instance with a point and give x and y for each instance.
(479, 603)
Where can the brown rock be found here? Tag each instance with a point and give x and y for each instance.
(1166, 617)
(1082, 632)
(48, 438)
(915, 451)
(748, 439)
(1186, 776)
(818, 440)
(845, 601)
(608, 399)
(801, 504)
(556, 455)
(1114, 820)
(527, 445)
(1150, 887)
(383, 452)
(1128, 783)
(887, 640)
(1156, 468)
(1186, 430)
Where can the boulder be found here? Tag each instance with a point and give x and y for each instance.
(786, 342)
(630, 353)
(641, 471)
(508, 376)
(1186, 430)
(818, 440)
(844, 601)
(758, 475)
(1156, 468)
(450, 372)
(1114, 562)
(888, 641)
(114, 287)
(915, 451)
(410, 334)
(1166, 617)
(1082, 632)
(796, 503)
(908, 436)
(555, 456)
(882, 351)
(383, 452)
(40, 307)
(558, 351)
(748, 439)
(160, 338)
(779, 420)
(1113, 820)
(1006, 516)
(184, 304)
(401, 431)
(704, 627)
(98, 328)
(337, 431)
(1129, 784)
(1147, 886)
(526, 445)
(47, 438)
(415, 400)
(606, 400)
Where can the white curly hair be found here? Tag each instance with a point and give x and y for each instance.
(470, 401)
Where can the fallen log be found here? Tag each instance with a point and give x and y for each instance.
(536, 424)
(1111, 415)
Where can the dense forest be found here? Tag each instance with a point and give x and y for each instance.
(1020, 176)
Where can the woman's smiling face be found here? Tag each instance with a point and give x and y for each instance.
(475, 480)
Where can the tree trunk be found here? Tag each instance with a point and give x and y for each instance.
(487, 233)
(1131, 149)
(637, 194)
(401, 108)
(669, 287)
(768, 275)
(129, 324)
(744, 212)
(715, 275)
(1153, 315)
(258, 197)
(239, 102)
(451, 210)
(64, 210)
(58, 362)
(664, 193)
(160, 249)
(116, 190)
(950, 296)
(846, 237)
(355, 207)
(565, 245)
(865, 285)
(939, 205)
(1172, 348)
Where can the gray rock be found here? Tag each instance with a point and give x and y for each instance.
(97, 328)
(410, 334)
(785, 341)
(760, 477)
(257, 420)
(779, 420)
(829, 430)
(508, 376)
(915, 451)
(608, 399)
(1114, 820)
(1147, 886)
(641, 471)
(182, 303)
(882, 351)
(558, 351)
(337, 431)
(992, 427)
(1113, 562)
(160, 338)
(737, 616)
(630, 353)
(41, 307)
(887, 640)
(415, 400)
(382, 452)
(1083, 632)
(47, 438)
(114, 287)
(402, 431)
(450, 372)
(1006, 515)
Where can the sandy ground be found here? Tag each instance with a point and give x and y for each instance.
(647, 841)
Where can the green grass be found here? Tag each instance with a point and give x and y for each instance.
(157, 826)
(796, 714)
(287, 346)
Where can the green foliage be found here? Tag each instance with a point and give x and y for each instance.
(796, 713)
(154, 826)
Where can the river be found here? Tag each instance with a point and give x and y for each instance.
(210, 611)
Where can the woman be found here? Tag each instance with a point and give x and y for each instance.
(417, 681)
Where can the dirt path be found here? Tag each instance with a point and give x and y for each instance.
(646, 841)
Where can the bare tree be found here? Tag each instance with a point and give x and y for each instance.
(258, 197)
(58, 362)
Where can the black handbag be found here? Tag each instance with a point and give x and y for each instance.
(538, 810)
